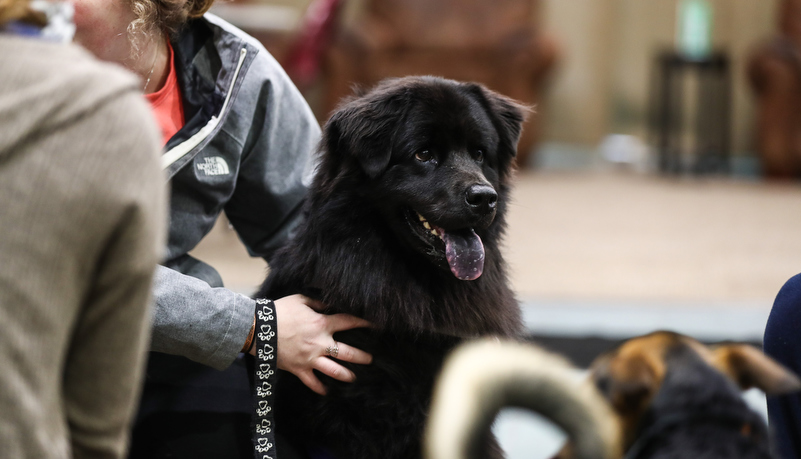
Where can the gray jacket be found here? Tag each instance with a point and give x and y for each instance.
(246, 150)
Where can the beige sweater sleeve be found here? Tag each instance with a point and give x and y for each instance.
(105, 360)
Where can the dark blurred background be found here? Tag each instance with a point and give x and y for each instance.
(592, 68)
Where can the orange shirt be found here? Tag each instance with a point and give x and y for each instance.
(166, 103)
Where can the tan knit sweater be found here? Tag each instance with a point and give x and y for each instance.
(81, 229)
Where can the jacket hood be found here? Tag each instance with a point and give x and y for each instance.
(44, 85)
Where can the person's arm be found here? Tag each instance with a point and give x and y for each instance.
(188, 314)
(106, 355)
(103, 374)
(277, 161)
(191, 319)
(210, 325)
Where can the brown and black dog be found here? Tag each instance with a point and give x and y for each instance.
(678, 398)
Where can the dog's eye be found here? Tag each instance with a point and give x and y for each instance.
(479, 155)
(423, 156)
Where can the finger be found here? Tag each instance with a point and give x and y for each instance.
(340, 322)
(334, 370)
(312, 382)
(314, 304)
(353, 355)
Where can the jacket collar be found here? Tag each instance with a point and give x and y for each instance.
(210, 63)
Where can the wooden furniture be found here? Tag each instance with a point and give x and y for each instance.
(710, 152)
(774, 71)
(494, 42)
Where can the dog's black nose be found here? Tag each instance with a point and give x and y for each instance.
(481, 198)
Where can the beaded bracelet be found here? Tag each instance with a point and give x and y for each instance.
(249, 341)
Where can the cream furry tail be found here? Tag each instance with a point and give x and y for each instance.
(482, 377)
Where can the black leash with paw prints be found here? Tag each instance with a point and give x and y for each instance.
(264, 381)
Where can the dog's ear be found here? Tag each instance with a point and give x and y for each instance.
(749, 367)
(508, 116)
(363, 128)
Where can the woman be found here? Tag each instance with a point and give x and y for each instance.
(81, 237)
(238, 138)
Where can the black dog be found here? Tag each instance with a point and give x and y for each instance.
(403, 226)
(677, 398)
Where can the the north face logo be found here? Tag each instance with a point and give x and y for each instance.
(214, 165)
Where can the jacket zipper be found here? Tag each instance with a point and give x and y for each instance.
(179, 151)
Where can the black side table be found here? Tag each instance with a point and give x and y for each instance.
(710, 151)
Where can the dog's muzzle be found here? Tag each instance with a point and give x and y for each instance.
(481, 199)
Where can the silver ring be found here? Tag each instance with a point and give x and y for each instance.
(333, 351)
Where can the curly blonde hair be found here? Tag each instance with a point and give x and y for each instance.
(165, 16)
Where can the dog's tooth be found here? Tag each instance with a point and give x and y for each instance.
(426, 225)
(422, 219)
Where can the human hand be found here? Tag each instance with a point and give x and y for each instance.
(303, 336)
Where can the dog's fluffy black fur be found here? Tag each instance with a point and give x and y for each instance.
(412, 147)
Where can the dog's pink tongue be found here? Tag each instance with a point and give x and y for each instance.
(465, 253)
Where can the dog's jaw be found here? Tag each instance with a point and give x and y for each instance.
(461, 251)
